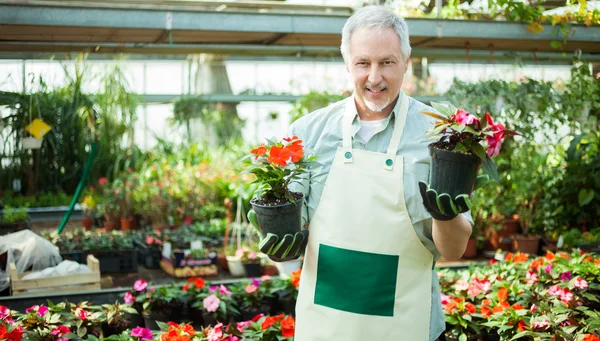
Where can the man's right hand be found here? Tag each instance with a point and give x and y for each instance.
(288, 248)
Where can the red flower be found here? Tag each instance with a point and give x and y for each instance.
(279, 155)
(590, 337)
(485, 311)
(464, 118)
(288, 326)
(268, 322)
(522, 327)
(199, 283)
(502, 294)
(257, 317)
(186, 287)
(102, 181)
(259, 151)
(471, 308)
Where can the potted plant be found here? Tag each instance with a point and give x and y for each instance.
(250, 260)
(215, 305)
(253, 298)
(464, 143)
(14, 219)
(162, 304)
(286, 290)
(116, 317)
(276, 165)
(136, 298)
(136, 334)
(459, 319)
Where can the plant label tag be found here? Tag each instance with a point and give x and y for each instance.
(166, 251)
(197, 245)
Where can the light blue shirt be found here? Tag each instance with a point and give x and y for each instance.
(321, 133)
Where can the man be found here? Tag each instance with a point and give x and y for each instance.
(369, 239)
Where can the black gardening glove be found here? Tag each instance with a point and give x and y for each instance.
(289, 248)
(442, 206)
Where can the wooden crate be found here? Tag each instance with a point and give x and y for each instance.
(58, 284)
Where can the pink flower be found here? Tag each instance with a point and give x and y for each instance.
(548, 268)
(566, 276)
(539, 325)
(474, 290)
(215, 333)
(265, 278)
(581, 283)
(445, 298)
(129, 299)
(464, 118)
(224, 291)
(211, 303)
(40, 310)
(239, 253)
(598, 75)
(252, 255)
(82, 314)
(533, 308)
(241, 326)
(60, 331)
(494, 143)
(62, 339)
(102, 181)
(231, 338)
(531, 277)
(554, 290)
(565, 295)
(461, 285)
(142, 333)
(251, 288)
(140, 285)
(4, 312)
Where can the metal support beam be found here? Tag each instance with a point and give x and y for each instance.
(224, 98)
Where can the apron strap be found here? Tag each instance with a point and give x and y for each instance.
(347, 130)
(397, 134)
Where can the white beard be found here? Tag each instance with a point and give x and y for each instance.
(377, 108)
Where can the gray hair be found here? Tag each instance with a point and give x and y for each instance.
(377, 17)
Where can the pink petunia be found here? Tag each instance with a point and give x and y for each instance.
(532, 277)
(211, 303)
(129, 299)
(215, 333)
(565, 295)
(540, 325)
(241, 326)
(566, 276)
(548, 268)
(61, 330)
(265, 278)
(464, 118)
(142, 333)
(140, 285)
(251, 288)
(581, 283)
(4, 312)
(554, 290)
(223, 290)
(461, 285)
(82, 314)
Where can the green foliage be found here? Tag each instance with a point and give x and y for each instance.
(14, 215)
(312, 101)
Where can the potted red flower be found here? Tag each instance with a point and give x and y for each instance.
(276, 165)
(465, 143)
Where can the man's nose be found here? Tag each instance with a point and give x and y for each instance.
(375, 74)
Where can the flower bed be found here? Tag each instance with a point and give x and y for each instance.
(555, 297)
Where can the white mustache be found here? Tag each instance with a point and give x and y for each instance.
(381, 86)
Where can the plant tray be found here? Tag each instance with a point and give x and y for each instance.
(117, 261)
(58, 284)
(179, 266)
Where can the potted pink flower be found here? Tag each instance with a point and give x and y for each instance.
(464, 144)
(250, 260)
(215, 304)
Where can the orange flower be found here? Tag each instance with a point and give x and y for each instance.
(508, 257)
(199, 283)
(588, 259)
(296, 152)
(450, 306)
(522, 327)
(502, 294)
(259, 151)
(597, 262)
(288, 326)
(537, 263)
(186, 287)
(296, 278)
(471, 308)
(268, 322)
(520, 258)
(487, 301)
(563, 255)
(290, 139)
(498, 309)
(189, 330)
(550, 256)
(517, 307)
(590, 337)
(485, 311)
(279, 155)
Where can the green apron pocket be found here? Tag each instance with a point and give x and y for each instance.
(355, 281)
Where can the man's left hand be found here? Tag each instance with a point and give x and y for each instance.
(442, 206)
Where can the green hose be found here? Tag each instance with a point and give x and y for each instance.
(86, 172)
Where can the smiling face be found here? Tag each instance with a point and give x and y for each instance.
(377, 68)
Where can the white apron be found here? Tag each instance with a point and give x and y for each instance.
(366, 274)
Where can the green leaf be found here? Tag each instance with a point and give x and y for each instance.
(81, 331)
(163, 326)
(445, 109)
(462, 337)
(479, 151)
(490, 168)
(585, 196)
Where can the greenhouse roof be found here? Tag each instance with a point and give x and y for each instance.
(244, 28)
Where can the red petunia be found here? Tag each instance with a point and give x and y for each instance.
(288, 326)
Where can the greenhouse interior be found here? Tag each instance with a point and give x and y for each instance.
(168, 170)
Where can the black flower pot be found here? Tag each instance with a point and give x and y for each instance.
(490, 336)
(248, 313)
(253, 269)
(279, 219)
(288, 306)
(136, 320)
(163, 313)
(453, 173)
(108, 329)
